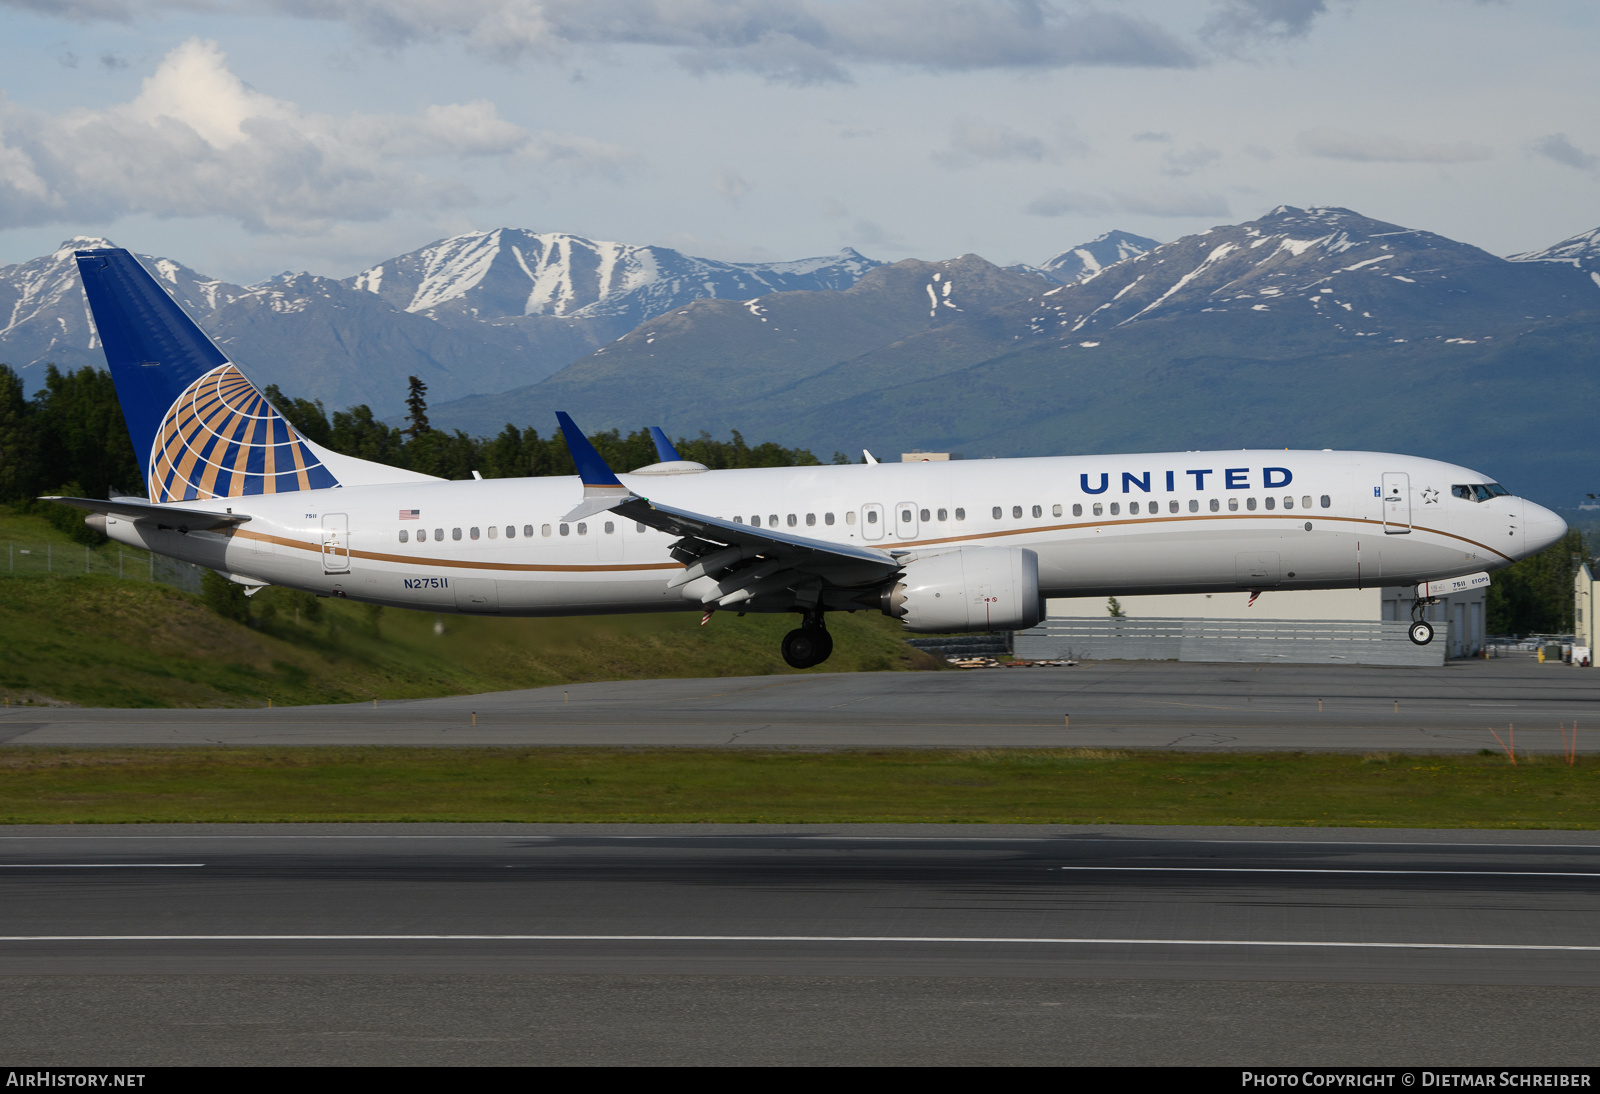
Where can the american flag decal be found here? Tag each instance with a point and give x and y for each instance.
(410, 514)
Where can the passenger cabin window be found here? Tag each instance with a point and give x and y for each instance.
(1233, 505)
(755, 522)
(1327, 502)
(1172, 506)
(1288, 503)
(404, 535)
(738, 520)
(511, 531)
(1214, 505)
(924, 515)
(1098, 509)
(996, 512)
(1194, 505)
(905, 516)
(872, 516)
(1038, 511)
(944, 514)
(1055, 510)
(1305, 502)
(772, 521)
(544, 530)
(793, 520)
(1269, 502)
(1133, 507)
(494, 532)
(566, 529)
(455, 533)
(827, 518)
(473, 533)
(583, 529)
(1016, 512)
(611, 528)
(1116, 507)
(1250, 504)
(1077, 509)
(637, 527)
(849, 518)
(811, 519)
(438, 533)
(961, 514)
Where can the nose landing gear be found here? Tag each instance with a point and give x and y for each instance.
(1421, 632)
(809, 644)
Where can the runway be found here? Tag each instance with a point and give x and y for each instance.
(1136, 704)
(795, 944)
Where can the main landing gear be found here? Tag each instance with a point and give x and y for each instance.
(809, 644)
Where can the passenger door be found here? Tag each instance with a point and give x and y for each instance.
(1396, 503)
(335, 543)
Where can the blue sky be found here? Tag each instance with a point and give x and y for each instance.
(244, 138)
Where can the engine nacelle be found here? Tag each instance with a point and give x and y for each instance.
(968, 589)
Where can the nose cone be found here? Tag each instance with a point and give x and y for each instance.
(1541, 528)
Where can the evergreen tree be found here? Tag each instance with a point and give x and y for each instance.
(417, 408)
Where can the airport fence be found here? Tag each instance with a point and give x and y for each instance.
(24, 559)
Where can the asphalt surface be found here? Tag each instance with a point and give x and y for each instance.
(1125, 704)
(568, 944)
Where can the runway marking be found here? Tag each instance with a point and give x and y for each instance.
(941, 939)
(98, 865)
(1307, 870)
(1124, 841)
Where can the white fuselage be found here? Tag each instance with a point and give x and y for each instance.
(1101, 525)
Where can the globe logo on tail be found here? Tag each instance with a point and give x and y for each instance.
(222, 439)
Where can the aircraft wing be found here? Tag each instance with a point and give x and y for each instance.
(184, 520)
(740, 561)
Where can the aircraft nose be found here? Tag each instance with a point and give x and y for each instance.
(1541, 527)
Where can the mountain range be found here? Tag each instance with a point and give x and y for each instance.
(479, 312)
(1306, 327)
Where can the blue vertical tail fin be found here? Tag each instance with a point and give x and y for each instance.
(664, 450)
(200, 426)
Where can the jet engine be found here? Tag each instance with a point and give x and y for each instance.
(968, 589)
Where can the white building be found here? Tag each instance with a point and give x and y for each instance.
(1464, 613)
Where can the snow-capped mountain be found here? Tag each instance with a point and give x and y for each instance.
(1582, 251)
(1088, 259)
(47, 318)
(512, 272)
(1359, 276)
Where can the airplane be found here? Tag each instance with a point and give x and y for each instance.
(963, 546)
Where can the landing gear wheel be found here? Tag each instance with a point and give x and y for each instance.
(1421, 633)
(807, 646)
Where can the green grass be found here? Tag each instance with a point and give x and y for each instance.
(1082, 786)
(94, 640)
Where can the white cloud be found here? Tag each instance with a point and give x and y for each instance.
(1153, 202)
(1338, 144)
(973, 141)
(1557, 147)
(732, 186)
(789, 41)
(1187, 162)
(1236, 22)
(196, 141)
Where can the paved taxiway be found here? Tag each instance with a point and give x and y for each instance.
(1127, 704)
(800, 943)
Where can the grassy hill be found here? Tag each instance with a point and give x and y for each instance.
(94, 640)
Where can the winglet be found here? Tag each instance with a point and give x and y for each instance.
(664, 450)
(602, 489)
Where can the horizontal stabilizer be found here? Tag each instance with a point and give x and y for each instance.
(184, 520)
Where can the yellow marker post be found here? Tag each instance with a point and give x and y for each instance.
(1066, 721)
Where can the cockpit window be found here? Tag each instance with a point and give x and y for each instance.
(1479, 491)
